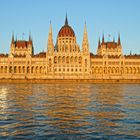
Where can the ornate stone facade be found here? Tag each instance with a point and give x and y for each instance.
(66, 60)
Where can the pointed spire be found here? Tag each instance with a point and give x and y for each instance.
(13, 37)
(99, 43)
(130, 53)
(50, 28)
(85, 29)
(85, 38)
(66, 20)
(50, 39)
(85, 44)
(103, 40)
(114, 39)
(119, 40)
(30, 39)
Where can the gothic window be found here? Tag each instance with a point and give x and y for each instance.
(15, 69)
(80, 60)
(36, 70)
(23, 69)
(55, 59)
(59, 59)
(67, 59)
(1, 69)
(41, 70)
(71, 59)
(19, 69)
(63, 59)
(50, 61)
(28, 69)
(32, 70)
(85, 61)
(5, 69)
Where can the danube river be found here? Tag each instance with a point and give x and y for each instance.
(69, 111)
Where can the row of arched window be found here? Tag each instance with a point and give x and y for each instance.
(22, 69)
(115, 70)
(59, 59)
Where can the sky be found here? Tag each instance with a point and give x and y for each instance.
(101, 16)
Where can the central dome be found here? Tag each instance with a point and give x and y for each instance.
(66, 30)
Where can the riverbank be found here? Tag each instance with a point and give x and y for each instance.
(70, 81)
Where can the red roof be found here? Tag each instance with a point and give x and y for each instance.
(66, 31)
(22, 44)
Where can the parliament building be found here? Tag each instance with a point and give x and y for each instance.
(67, 60)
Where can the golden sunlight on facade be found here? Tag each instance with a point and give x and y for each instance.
(66, 60)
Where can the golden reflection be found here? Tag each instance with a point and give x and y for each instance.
(3, 99)
(15, 106)
(67, 107)
(61, 109)
(108, 97)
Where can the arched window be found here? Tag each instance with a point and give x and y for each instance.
(50, 61)
(19, 69)
(15, 69)
(85, 61)
(10, 69)
(5, 69)
(76, 59)
(71, 59)
(67, 59)
(59, 59)
(80, 59)
(63, 59)
(28, 69)
(32, 69)
(23, 69)
(55, 59)
(41, 69)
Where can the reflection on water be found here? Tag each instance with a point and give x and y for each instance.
(69, 111)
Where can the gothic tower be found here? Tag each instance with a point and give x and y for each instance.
(86, 52)
(50, 45)
(85, 44)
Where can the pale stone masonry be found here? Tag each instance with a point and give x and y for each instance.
(66, 60)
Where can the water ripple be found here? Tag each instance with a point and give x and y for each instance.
(69, 111)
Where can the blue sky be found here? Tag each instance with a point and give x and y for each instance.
(108, 16)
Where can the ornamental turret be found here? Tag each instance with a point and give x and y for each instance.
(50, 45)
(85, 43)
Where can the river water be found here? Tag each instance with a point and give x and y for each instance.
(69, 111)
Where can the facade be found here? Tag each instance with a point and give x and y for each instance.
(66, 60)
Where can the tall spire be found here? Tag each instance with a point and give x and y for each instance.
(30, 39)
(103, 40)
(66, 20)
(50, 39)
(99, 44)
(13, 37)
(114, 39)
(119, 40)
(85, 44)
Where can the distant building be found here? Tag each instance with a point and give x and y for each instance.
(66, 60)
